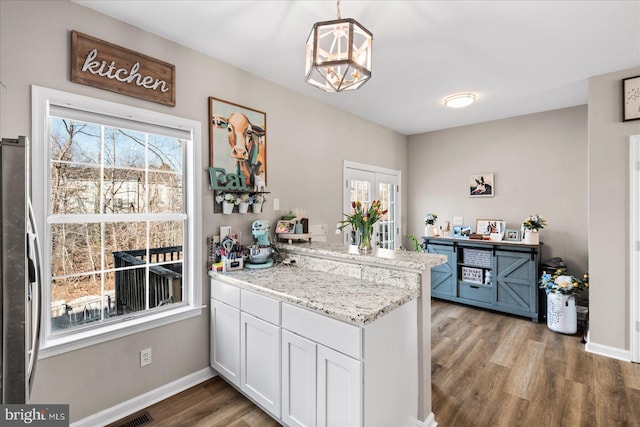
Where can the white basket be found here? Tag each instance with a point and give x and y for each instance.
(561, 313)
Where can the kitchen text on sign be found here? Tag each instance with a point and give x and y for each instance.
(104, 65)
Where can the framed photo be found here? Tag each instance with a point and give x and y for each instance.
(285, 226)
(238, 141)
(488, 226)
(482, 185)
(461, 231)
(631, 98)
(473, 275)
(512, 235)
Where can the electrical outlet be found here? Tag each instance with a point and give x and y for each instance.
(145, 357)
(276, 204)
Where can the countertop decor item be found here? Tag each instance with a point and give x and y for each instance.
(362, 219)
(430, 224)
(531, 225)
(561, 290)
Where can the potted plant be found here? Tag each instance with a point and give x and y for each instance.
(362, 220)
(227, 200)
(561, 290)
(430, 225)
(531, 226)
(243, 201)
(256, 202)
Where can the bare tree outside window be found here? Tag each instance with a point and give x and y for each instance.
(117, 221)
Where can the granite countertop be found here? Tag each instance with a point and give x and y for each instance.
(403, 259)
(344, 298)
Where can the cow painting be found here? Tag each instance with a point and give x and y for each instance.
(238, 138)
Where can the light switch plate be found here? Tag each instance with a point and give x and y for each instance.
(457, 220)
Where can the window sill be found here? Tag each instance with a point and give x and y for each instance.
(91, 337)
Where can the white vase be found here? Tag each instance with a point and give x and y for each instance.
(562, 315)
(227, 208)
(531, 237)
(429, 230)
(257, 207)
(243, 208)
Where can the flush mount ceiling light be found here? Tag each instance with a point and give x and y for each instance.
(460, 100)
(338, 55)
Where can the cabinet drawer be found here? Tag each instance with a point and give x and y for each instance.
(262, 307)
(228, 294)
(332, 333)
(475, 292)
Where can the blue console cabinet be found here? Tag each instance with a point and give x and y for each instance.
(501, 276)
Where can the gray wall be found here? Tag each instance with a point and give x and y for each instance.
(609, 210)
(539, 162)
(307, 143)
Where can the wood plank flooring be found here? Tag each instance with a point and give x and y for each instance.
(488, 369)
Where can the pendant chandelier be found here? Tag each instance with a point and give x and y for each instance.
(338, 55)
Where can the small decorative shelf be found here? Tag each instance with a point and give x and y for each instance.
(291, 237)
(217, 207)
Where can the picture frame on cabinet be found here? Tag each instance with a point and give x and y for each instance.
(512, 235)
(631, 98)
(488, 226)
(461, 231)
(285, 226)
(482, 185)
(235, 151)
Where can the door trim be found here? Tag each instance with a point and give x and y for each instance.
(634, 247)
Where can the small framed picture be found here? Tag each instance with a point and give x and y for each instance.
(473, 275)
(481, 185)
(631, 98)
(512, 235)
(285, 226)
(461, 231)
(488, 226)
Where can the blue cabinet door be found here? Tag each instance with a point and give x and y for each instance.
(443, 277)
(516, 284)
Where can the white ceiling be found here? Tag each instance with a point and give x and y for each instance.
(519, 57)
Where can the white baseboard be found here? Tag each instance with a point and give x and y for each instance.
(429, 422)
(138, 403)
(605, 350)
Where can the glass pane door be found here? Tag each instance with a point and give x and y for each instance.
(366, 186)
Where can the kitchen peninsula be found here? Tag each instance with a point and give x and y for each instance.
(330, 337)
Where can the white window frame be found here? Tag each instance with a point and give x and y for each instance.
(41, 101)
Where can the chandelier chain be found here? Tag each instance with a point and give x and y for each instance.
(338, 7)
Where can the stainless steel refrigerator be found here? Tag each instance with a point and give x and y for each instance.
(20, 271)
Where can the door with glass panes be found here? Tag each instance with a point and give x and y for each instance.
(366, 183)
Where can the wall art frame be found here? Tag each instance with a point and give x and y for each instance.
(512, 235)
(488, 226)
(238, 141)
(482, 185)
(631, 98)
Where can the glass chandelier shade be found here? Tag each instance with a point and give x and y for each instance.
(338, 55)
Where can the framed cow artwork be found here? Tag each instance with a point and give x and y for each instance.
(237, 146)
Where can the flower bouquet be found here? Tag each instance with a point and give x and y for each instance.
(561, 283)
(430, 224)
(531, 225)
(362, 220)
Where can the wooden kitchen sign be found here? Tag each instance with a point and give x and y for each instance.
(104, 65)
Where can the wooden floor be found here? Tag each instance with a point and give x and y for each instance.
(488, 369)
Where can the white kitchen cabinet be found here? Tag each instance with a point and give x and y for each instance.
(260, 362)
(339, 396)
(225, 341)
(298, 380)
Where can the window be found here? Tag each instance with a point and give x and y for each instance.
(117, 209)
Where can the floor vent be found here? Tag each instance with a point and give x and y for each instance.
(138, 420)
